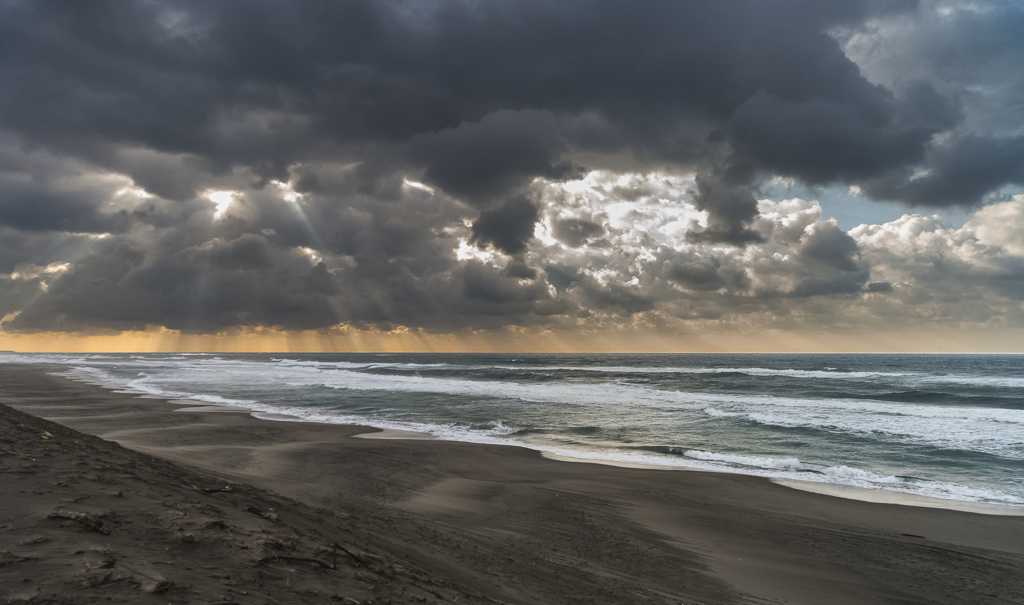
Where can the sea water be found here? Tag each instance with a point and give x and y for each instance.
(944, 426)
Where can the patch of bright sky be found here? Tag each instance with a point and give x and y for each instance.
(127, 197)
(467, 251)
(223, 201)
(417, 185)
(289, 194)
(313, 255)
(544, 232)
(28, 272)
(850, 210)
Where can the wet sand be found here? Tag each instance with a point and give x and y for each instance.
(313, 515)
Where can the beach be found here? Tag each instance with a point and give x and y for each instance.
(213, 505)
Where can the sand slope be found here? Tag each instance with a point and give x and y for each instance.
(87, 520)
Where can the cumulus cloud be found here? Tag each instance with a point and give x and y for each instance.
(451, 165)
(973, 274)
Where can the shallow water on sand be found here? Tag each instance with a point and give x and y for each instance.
(943, 426)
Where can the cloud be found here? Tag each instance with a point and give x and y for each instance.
(728, 198)
(957, 172)
(645, 270)
(486, 291)
(205, 288)
(839, 140)
(451, 165)
(508, 227)
(500, 153)
(828, 245)
(972, 274)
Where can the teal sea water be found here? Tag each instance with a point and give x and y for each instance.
(945, 426)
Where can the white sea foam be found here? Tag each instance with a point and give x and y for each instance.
(856, 474)
(142, 386)
(827, 373)
(787, 464)
(792, 373)
(993, 431)
(981, 381)
(988, 430)
(350, 365)
(499, 428)
(791, 468)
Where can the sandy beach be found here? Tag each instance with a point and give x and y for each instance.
(200, 505)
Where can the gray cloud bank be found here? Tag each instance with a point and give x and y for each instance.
(453, 165)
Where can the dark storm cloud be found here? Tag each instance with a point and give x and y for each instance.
(501, 152)
(831, 246)
(365, 141)
(728, 198)
(30, 207)
(618, 299)
(562, 277)
(520, 270)
(18, 247)
(694, 272)
(208, 288)
(509, 227)
(575, 232)
(824, 140)
(40, 193)
(265, 84)
(487, 291)
(956, 173)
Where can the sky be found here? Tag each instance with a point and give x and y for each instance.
(512, 175)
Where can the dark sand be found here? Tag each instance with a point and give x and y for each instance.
(316, 516)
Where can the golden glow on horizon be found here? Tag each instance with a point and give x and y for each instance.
(345, 340)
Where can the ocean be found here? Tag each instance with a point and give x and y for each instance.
(944, 426)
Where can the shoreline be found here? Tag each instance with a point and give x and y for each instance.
(880, 494)
(521, 528)
(886, 496)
